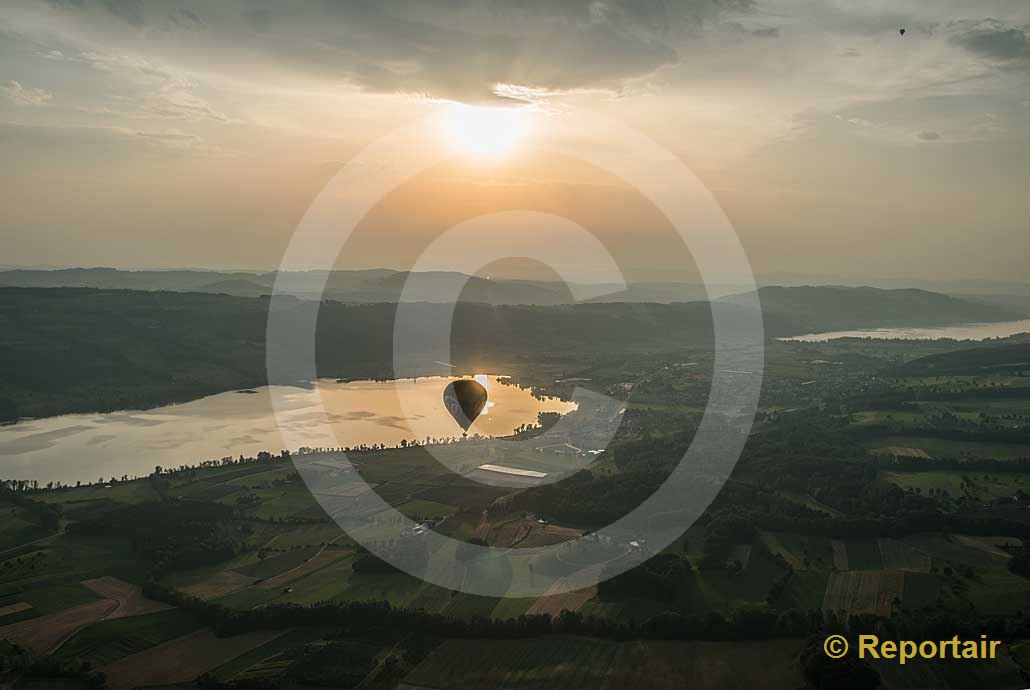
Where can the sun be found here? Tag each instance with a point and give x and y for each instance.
(486, 130)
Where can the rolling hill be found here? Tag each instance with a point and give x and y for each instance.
(1007, 357)
(810, 309)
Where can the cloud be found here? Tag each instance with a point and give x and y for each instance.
(757, 72)
(26, 97)
(452, 49)
(128, 11)
(169, 138)
(102, 137)
(166, 93)
(953, 128)
(462, 50)
(185, 19)
(994, 39)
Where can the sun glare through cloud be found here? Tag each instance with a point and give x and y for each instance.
(486, 130)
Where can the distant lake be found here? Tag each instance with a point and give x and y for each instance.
(87, 447)
(969, 331)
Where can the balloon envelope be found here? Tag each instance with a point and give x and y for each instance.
(464, 399)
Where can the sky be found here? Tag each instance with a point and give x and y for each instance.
(195, 134)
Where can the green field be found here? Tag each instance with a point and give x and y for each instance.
(427, 510)
(267, 660)
(946, 448)
(978, 485)
(864, 554)
(574, 663)
(874, 592)
(285, 537)
(1001, 674)
(279, 563)
(108, 640)
(17, 527)
(122, 492)
(897, 555)
(801, 551)
(992, 589)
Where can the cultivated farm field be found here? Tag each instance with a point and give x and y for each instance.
(574, 663)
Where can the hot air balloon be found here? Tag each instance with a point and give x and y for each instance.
(464, 399)
(901, 31)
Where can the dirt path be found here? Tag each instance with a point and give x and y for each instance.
(129, 598)
(974, 543)
(59, 532)
(221, 583)
(316, 562)
(46, 633)
(14, 608)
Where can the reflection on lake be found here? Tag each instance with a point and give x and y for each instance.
(87, 447)
(969, 331)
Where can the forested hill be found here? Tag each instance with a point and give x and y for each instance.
(78, 349)
(1005, 358)
(811, 309)
(353, 287)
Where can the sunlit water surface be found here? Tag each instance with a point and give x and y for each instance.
(969, 331)
(87, 447)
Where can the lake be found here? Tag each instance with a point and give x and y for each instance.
(86, 447)
(969, 331)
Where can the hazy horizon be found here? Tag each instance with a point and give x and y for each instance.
(542, 273)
